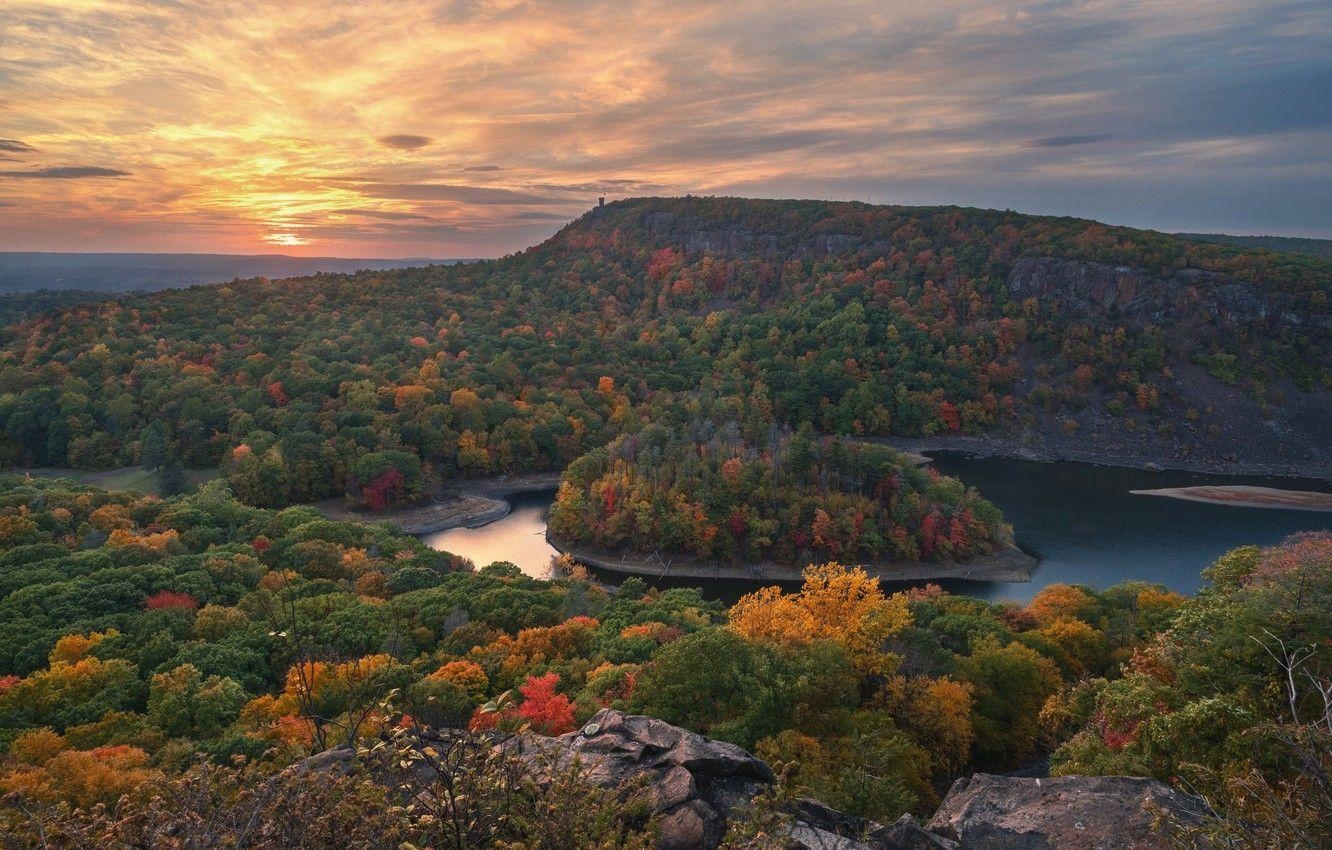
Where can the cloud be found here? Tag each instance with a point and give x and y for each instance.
(1067, 141)
(66, 172)
(253, 123)
(480, 195)
(404, 142)
(385, 215)
(612, 186)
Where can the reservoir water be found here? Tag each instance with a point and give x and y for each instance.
(1087, 528)
(1079, 519)
(519, 537)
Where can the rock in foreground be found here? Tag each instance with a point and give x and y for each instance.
(987, 812)
(693, 782)
(696, 786)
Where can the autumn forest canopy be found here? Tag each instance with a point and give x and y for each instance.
(713, 378)
(726, 322)
(140, 635)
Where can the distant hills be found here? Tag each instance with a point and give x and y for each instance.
(1063, 336)
(1286, 244)
(112, 273)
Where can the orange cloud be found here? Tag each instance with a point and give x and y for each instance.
(469, 128)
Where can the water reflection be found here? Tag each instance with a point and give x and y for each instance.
(1080, 519)
(520, 537)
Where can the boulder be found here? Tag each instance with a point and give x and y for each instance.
(989, 812)
(818, 826)
(693, 783)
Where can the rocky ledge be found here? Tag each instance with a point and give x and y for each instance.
(1060, 813)
(694, 783)
(697, 784)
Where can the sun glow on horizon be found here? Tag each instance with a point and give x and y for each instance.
(435, 129)
(285, 239)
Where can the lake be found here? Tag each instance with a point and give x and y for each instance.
(1079, 519)
(1087, 528)
(520, 537)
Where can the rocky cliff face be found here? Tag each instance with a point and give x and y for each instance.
(1192, 308)
(698, 237)
(1188, 298)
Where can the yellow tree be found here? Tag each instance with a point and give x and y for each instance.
(936, 713)
(1059, 601)
(845, 606)
(320, 695)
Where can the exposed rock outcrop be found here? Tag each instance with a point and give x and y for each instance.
(1136, 298)
(693, 782)
(695, 786)
(1059, 813)
(818, 827)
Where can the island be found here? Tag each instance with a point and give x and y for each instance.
(758, 502)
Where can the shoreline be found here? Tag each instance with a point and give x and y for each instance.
(479, 502)
(1009, 564)
(1246, 496)
(981, 446)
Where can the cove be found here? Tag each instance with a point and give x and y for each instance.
(1079, 519)
(1085, 526)
(519, 536)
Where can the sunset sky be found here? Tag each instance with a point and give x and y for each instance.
(477, 128)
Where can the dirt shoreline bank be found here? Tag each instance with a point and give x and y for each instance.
(1244, 496)
(996, 446)
(1009, 564)
(476, 502)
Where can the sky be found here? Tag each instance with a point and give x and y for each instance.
(470, 129)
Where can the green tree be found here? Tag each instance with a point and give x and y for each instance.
(184, 704)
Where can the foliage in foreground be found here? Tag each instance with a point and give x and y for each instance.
(457, 791)
(1233, 701)
(138, 633)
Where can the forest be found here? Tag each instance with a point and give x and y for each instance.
(856, 320)
(145, 640)
(794, 501)
(714, 376)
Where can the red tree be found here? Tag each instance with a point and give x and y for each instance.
(951, 420)
(548, 712)
(386, 489)
(170, 599)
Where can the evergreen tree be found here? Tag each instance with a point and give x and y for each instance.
(171, 477)
(153, 450)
